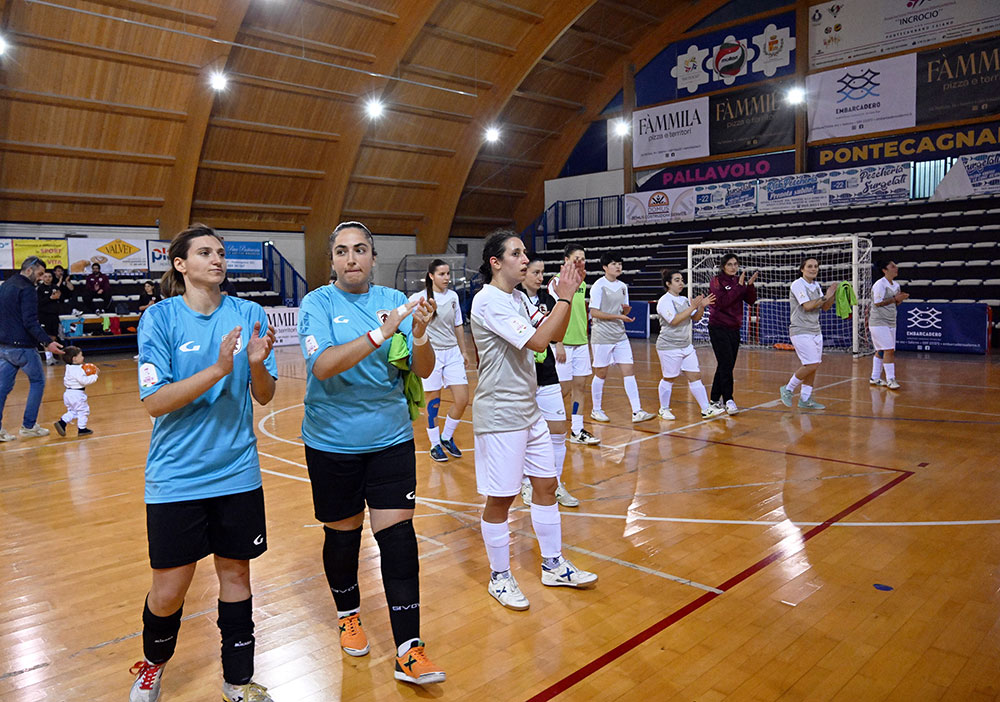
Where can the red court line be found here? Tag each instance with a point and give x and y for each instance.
(790, 549)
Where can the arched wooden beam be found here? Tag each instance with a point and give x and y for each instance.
(455, 171)
(176, 211)
(558, 150)
(329, 197)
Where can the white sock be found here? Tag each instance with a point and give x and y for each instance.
(793, 383)
(632, 390)
(700, 395)
(559, 452)
(807, 391)
(497, 540)
(406, 646)
(450, 425)
(665, 388)
(890, 371)
(597, 392)
(547, 524)
(876, 368)
(576, 423)
(434, 434)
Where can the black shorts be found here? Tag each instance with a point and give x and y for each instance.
(343, 482)
(231, 526)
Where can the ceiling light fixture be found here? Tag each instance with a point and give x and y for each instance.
(621, 127)
(218, 80)
(796, 96)
(492, 135)
(374, 108)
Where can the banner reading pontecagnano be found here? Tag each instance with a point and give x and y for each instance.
(6, 254)
(842, 31)
(53, 251)
(915, 146)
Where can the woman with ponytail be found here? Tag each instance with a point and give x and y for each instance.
(451, 358)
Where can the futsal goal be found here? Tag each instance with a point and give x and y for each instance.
(776, 262)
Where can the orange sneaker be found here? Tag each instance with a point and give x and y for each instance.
(414, 667)
(352, 636)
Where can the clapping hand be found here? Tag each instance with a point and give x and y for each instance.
(709, 299)
(570, 276)
(422, 315)
(227, 350)
(260, 346)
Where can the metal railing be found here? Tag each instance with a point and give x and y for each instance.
(282, 276)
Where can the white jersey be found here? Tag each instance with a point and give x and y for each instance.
(76, 379)
(673, 337)
(802, 321)
(441, 330)
(884, 316)
(609, 297)
(502, 323)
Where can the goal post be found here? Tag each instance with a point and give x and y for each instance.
(776, 262)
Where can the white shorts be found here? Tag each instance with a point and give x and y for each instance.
(550, 402)
(673, 361)
(607, 354)
(449, 369)
(503, 458)
(577, 363)
(809, 347)
(76, 403)
(883, 338)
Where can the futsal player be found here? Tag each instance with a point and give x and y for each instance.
(806, 299)
(886, 296)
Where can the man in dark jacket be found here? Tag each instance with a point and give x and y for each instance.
(20, 336)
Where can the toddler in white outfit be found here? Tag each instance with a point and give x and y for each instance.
(75, 397)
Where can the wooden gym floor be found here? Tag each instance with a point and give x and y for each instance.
(851, 554)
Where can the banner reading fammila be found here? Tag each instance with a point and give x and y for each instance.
(672, 132)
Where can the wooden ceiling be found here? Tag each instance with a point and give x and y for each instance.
(107, 115)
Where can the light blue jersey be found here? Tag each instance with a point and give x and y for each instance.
(206, 448)
(362, 409)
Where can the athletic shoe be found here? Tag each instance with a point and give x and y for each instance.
(583, 437)
(251, 692)
(84, 432)
(641, 416)
(352, 636)
(50, 361)
(731, 408)
(566, 574)
(33, 431)
(503, 587)
(713, 410)
(526, 493)
(892, 384)
(665, 413)
(878, 382)
(810, 404)
(414, 667)
(450, 447)
(562, 496)
(600, 416)
(7, 436)
(786, 395)
(437, 453)
(60, 427)
(146, 687)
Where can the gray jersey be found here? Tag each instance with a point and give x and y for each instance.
(502, 323)
(671, 337)
(608, 297)
(441, 330)
(884, 316)
(801, 321)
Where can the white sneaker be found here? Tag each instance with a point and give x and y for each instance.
(641, 416)
(503, 588)
(583, 437)
(34, 431)
(877, 382)
(566, 574)
(665, 413)
(251, 692)
(892, 384)
(562, 496)
(7, 436)
(713, 410)
(731, 408)
(600, 416)
(146, 687)
(526, 493)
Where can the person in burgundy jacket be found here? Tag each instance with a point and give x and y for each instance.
(96, 285)
(724, 320)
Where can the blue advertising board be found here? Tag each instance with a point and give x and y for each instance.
(950, 327)
(639, 328)
(244, 256)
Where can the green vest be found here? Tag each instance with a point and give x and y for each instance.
(576, 332)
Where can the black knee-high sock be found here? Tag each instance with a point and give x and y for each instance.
(340, 561)
(400, 577)
(159, 634)
(236, 626)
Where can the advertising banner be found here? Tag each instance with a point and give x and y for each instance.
(725, 199)
(739, 55)
(673, 132)
(876, 96)
(958, 82)
(52, 251)
(841, 31)
(889, 182)
(6, 254)
(156, 255)
(947, 327)
(978, 174)
(285, 321)
(801, 191)
(915, 146)
(113, 255)
(743, 168)
(756, 117)
(244, 256)
(660, 206)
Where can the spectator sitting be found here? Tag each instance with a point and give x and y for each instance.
(96, 285)
(149, 296)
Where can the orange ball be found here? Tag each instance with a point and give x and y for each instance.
(89, 369)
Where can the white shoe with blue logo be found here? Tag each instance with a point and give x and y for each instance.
(566, 574)
(504, 589)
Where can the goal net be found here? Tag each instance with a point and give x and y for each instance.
(776, 262)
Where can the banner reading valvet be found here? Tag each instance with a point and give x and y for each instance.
(52, 251)
(112, 255)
